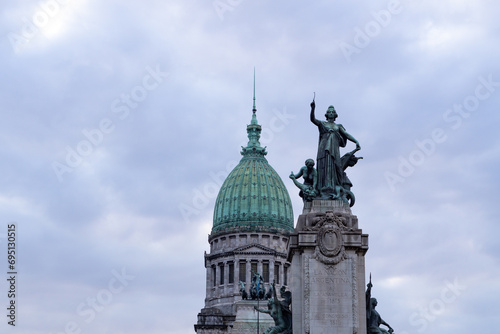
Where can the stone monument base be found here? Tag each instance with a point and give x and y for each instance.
(327, 279)
(242, 321)
(246, 317)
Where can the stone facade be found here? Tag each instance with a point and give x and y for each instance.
(231, 259)
(328, 271)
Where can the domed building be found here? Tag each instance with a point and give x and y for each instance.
(252, 222)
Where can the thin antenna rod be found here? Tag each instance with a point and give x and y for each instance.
(254, 108)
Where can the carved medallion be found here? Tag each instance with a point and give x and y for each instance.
(330, 248)
(330, 240)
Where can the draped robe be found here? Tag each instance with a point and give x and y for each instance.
(328, 161)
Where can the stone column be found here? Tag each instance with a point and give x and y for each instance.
(327, 273)
(226, 278)
(209, 281)
(213, 282)
(248, 273)
(272, 272)
(236, 275)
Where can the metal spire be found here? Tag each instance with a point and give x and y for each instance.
(254, 110)
(253, 130)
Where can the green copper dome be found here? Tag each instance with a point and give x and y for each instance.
(253, 196)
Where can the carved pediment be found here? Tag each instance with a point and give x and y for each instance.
(247, 250)
(253, 249)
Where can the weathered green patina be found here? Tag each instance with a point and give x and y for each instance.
(253, 196)
(332, 136)
(373, 318)
(280, 312)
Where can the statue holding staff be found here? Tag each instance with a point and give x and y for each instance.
(330, 170)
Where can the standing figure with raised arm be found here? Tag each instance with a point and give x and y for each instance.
(329, 167)
(373, 318)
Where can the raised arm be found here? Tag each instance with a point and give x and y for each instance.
(313, 118)
(299, 174)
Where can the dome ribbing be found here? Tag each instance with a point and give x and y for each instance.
(253, 196)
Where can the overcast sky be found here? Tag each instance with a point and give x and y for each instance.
(120, 119)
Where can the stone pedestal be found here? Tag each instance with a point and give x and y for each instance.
(327, 277)
(213, 321)
(246, 317)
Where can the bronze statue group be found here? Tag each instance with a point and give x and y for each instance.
(327, 182)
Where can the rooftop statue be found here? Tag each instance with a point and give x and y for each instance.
(243, 292)
(257, 290)
(332, 180)
(373, 318)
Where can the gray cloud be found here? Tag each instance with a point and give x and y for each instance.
(119, 206)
